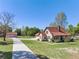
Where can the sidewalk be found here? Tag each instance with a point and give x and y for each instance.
(20, 51)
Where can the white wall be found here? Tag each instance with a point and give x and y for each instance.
(40, 36)
(49, 34)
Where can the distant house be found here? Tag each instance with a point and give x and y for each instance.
(53, 33)
(41, 36)
(1, 33)
(11, 34)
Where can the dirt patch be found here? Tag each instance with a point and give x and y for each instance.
(70, 50)
(74, 56)
(74, 52)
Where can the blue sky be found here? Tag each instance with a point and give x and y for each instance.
(40, 13)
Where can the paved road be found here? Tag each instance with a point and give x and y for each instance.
(20, 51)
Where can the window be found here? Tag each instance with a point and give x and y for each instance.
(46, 32)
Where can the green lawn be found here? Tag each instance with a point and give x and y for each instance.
(51, 50)
(6, 49)
(24, 36)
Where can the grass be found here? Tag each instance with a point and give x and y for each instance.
(25, 37)
(50, 51)
(6, 48)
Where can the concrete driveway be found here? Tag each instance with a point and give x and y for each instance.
(21, 51)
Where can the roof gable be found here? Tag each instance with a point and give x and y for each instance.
(41, 33)
(55, 31)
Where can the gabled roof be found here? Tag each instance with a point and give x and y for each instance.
(55, 31)
(60, 34)
(40, 33)
(37, 34)
(43, 33)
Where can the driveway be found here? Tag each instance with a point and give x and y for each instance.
(20, 51)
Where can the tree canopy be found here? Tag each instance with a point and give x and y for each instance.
(27, 31)
(60, 20)
(18, 30)
(71, 29)
(6, 22)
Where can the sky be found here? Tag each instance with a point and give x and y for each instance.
(40, 13)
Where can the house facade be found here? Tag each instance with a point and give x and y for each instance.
(54, 33)
(41, 36)
(11, 34)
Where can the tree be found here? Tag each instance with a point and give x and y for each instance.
(53, 24)
(29, 31)
(23, 31)
(6, 21)
(32, 31)
(9, 29)
(61, 20)
(71, 29)
(18, 30)
(26, 30)
(77, 29)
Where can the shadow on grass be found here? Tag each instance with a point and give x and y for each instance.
(1, 55)
(42, 56)
(65, 41)
(5, 43)
(5, 55)
(27, 55)
(21, 55)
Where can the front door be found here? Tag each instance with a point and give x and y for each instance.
(61, 39)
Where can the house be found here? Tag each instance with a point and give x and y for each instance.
(11, 34)
(41, 36)
(54, 33)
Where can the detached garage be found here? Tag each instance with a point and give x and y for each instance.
(11, 34)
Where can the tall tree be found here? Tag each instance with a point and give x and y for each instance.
(71, 29)
(6, 21)
(61, 20)
(32, 31)
(18, 30)
(77, 29)
(53, 24)
(23, 33)
(26, 30)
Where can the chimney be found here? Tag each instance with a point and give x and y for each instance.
(59, 28)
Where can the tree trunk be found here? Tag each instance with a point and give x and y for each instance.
(4, 38)
(4, 35)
